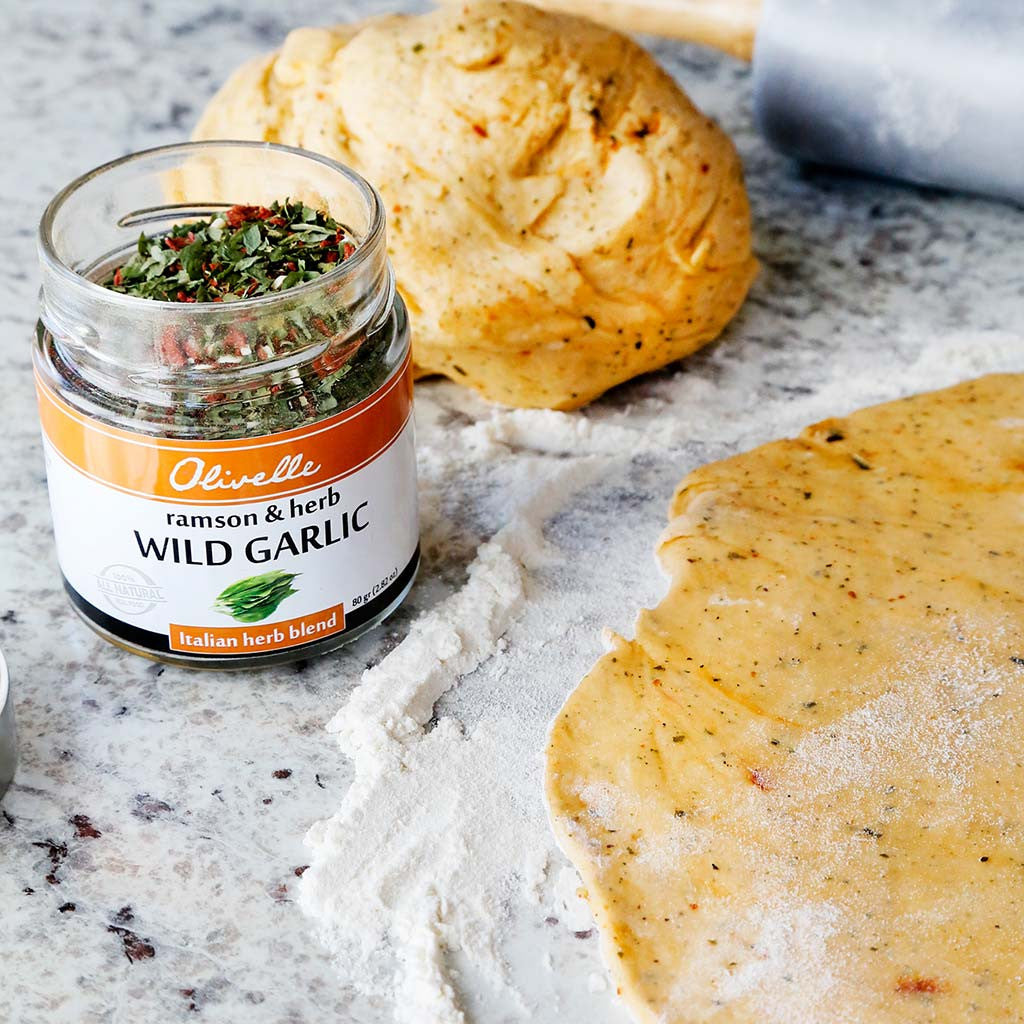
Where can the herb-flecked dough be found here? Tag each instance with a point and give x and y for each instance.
(561, 217)
(796, 794)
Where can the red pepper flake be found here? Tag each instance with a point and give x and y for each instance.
(759, 779)
(118, 277)
(655, 682)
(914, 984)
(179, 242)
(235, 340)
(238, 215)
(480, 130)
(283, 773)
(332, 257)
(693, 906)
(170, 353)
(852, 593)
(84, 828)
(347, 250)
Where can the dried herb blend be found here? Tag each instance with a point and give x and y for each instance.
(243, 252)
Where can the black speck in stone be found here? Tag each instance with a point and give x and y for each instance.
(584, 934)
(10, 616)
(148, 808)
(216, 15)
(318, 782)
(177, 117)
(124, 915)
(56, 852)
(283, 773)
(8, 819)
(65, 908)
(84, 828)
(134, 948)
(268, 30)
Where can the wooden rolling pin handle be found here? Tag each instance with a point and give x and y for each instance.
(727, 25)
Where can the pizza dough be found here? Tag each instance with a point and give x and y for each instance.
(797, 795)
(561, 217)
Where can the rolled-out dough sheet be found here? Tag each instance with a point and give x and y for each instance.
(797, 795)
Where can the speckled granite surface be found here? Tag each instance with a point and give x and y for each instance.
(150, 846)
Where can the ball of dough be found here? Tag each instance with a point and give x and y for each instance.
(560, 216)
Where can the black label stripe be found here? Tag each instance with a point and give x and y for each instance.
(159, 643)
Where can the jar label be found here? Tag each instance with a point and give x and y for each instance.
(221, 549)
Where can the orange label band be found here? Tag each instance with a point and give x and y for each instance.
(229, 472)
(252, 639)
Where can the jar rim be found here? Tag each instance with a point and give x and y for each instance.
(367, 244)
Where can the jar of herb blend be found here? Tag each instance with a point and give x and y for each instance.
(225, 389)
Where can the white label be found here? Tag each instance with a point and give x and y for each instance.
(187, 569)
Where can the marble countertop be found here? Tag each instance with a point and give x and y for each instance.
(151, 843)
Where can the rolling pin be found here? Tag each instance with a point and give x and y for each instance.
(928, 91)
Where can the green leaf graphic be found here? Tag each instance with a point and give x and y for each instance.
(256, 597)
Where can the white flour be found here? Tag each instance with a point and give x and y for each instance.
(418, 880)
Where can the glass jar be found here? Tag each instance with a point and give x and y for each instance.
(232, 483)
